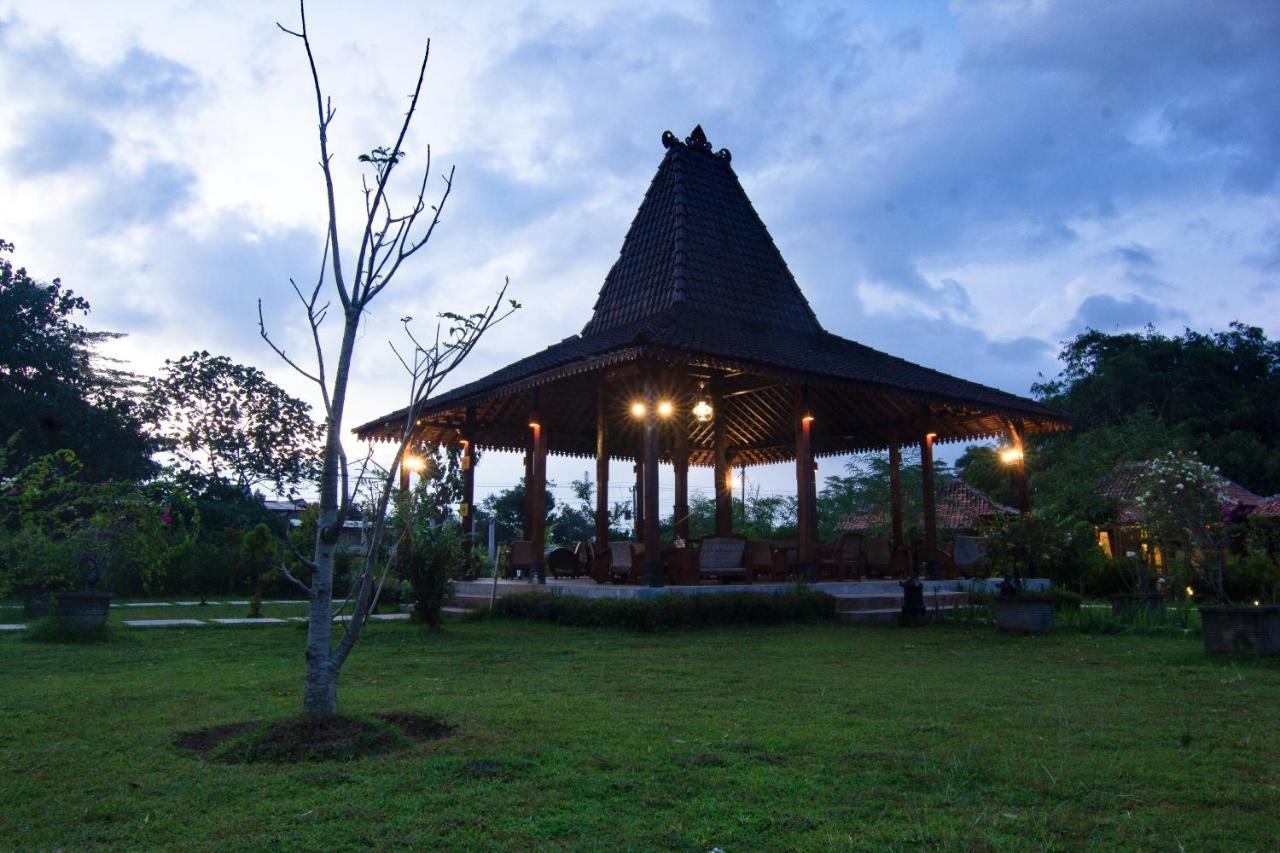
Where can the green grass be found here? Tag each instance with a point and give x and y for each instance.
(794, 737)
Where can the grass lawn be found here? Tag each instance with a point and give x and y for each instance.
(807, 737)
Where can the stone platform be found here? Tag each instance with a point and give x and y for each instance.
(857, 601)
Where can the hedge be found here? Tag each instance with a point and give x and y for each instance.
(670, 611)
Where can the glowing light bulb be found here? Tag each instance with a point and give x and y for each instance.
(665, 409)
(638, 409)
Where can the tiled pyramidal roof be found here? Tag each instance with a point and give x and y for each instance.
(698, 246)
(959, 506)
(699, 274)
(1124, 485)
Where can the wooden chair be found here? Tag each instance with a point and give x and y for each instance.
(758, 558)
(786, 560)
(878, 557)
(846, 560)
(520, 557)
(939, 565)
(563, 563)
(680, 563)
(611, 562)
(722, 558)
(637, 562)
(969, 554)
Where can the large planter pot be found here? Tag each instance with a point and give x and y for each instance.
(1020, 616)
(83, 612)
(1126, 607)
(1241, 629)
(37, 601)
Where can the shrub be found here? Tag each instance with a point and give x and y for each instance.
(61, 531)
(1253, 577)
(670, 611)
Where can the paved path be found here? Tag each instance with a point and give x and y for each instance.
(197, 623)
(266, 620)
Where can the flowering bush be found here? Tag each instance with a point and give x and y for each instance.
(1184, 501)
(57, 532)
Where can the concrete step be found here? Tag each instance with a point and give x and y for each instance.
(885, 615)
(879, 601)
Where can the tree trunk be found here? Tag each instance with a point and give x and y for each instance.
(320, 693)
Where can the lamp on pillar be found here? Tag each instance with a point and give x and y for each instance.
(929, 503)
(1014, 457)
(536, 491)
(806, 487)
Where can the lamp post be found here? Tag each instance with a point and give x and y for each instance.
(1012, 456)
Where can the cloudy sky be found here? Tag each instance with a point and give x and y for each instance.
(962, 184)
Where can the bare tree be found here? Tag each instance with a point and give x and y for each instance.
(387, 240)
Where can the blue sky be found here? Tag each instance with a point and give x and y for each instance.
(963, 184)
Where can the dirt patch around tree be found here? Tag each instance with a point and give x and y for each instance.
(293, 740)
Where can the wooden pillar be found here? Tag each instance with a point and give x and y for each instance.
(638, 522)
(1020, 467)
(468, 463)
(404, 475)
(680, 468)
(928, 502)
(724, 493)
(806, 488)
(539, 503)
(602, 466)
(652, 552)
(526, 521)
(895, 491)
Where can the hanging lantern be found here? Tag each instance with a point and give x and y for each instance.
(702, 409)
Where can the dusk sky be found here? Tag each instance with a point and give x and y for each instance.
(965, 185)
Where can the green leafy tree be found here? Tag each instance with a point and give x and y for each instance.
(258, 554)
(228, 421)
(1183, 500)
(506, 508)
(865, 488)
(980, 467)
(55, 392)
(1068, 470)
(1219, 391)
(576, 522)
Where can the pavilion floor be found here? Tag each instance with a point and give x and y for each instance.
(478, 593)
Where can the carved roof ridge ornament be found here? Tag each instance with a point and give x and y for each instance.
(695, 141)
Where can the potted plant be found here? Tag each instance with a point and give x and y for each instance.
(1185, 500)
(35, 566)
(1015, 546)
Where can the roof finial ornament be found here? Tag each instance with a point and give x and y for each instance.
(695, 141)
(698, 140)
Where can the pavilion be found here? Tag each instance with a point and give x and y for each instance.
(703, 351)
